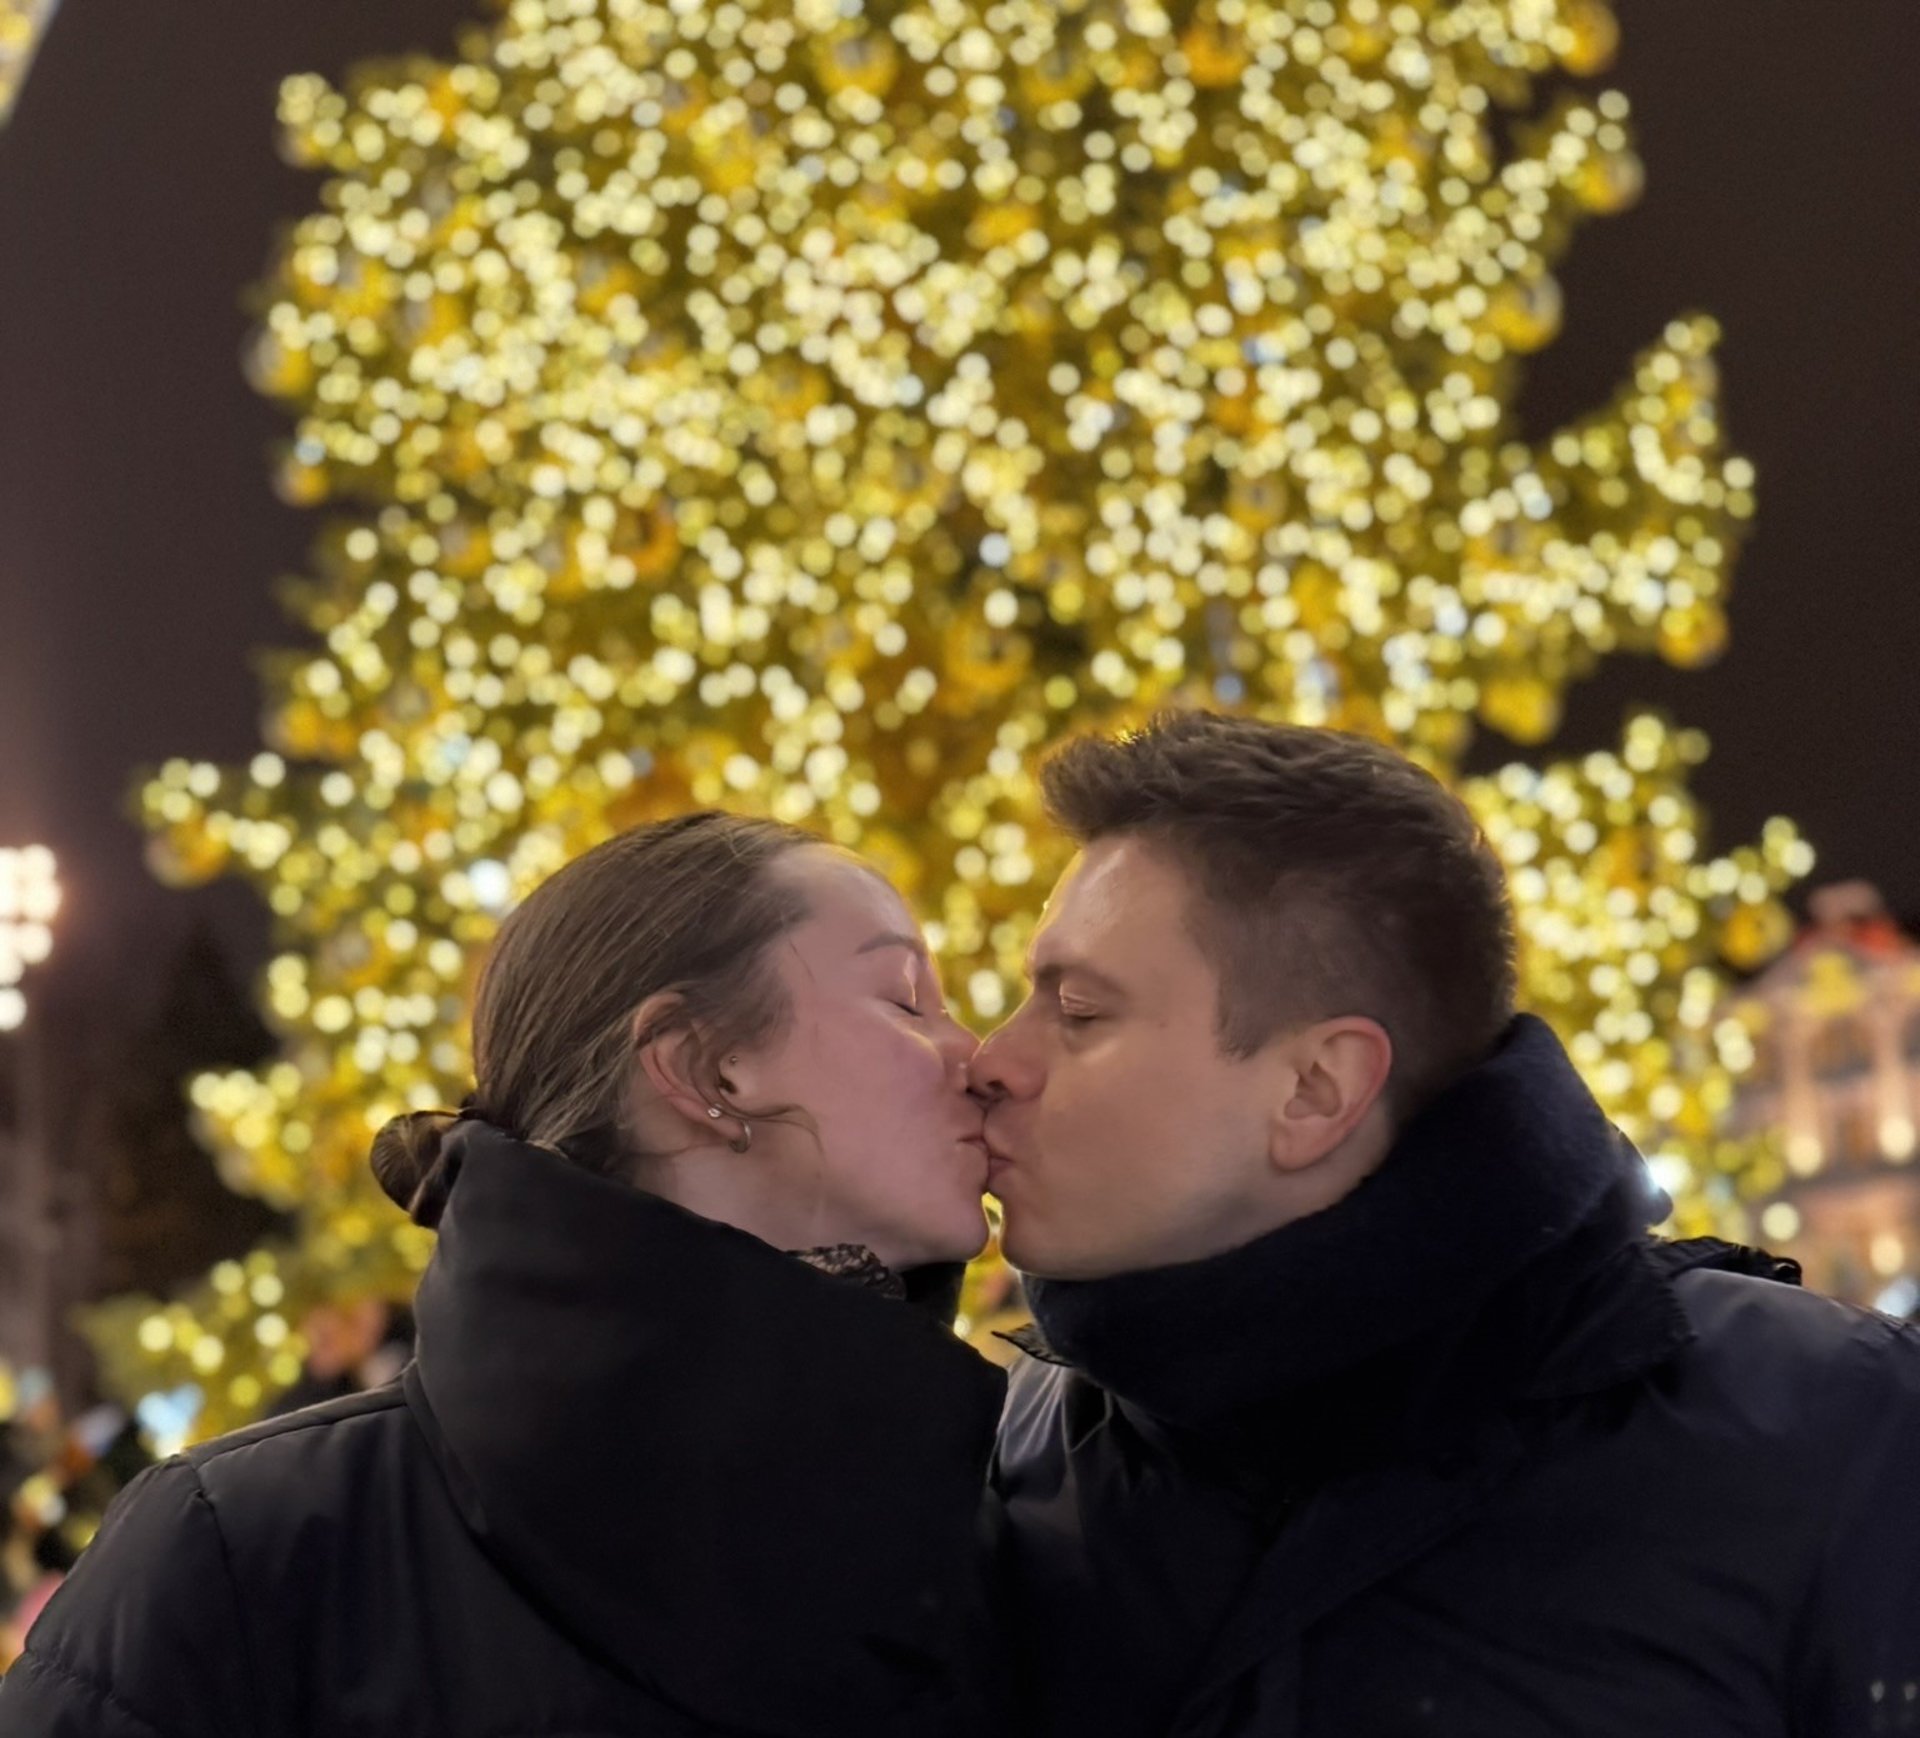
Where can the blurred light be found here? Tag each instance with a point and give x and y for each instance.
(1781, 1222)
(22, 24)
(168, 1417)
(29, 899)
(1804, 1153)
(1899, 1298)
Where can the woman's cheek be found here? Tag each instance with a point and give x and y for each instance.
(918, 1062)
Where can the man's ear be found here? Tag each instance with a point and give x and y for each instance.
(1338, 1070)
(667, 1050)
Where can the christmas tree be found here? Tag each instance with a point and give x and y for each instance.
(819, 407)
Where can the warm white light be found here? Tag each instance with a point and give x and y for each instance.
(1781, 1222)
(29, 898)
(1888, 1254)
(1897, 1137)
(1804, 1153)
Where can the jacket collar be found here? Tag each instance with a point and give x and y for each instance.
(1616, 1321)
(748, 1486)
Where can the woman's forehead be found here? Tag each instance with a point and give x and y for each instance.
(848, 901)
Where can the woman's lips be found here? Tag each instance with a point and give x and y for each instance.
(977, 1145)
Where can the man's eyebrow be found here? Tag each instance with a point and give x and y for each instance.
(1048, 976)
(894, 938)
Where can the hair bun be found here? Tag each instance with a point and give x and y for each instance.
(410, 1163)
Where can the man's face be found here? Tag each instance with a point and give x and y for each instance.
(1124, 1138)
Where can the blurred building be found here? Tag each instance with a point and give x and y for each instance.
(1835, 1024)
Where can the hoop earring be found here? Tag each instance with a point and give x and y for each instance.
(746, 1130)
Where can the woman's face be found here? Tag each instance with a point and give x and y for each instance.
(875, 1062)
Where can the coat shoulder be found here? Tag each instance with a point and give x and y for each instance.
(355, 1421)
(262, 1477)
(138, 1639)
(1798, 1364)
(298, 1497)
(1741, 1316)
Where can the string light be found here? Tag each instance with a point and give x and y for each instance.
(820, 411)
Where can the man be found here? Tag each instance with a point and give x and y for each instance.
(1360, 1402)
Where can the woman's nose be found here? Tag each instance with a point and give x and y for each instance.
(986, 1073)
(961, 1047)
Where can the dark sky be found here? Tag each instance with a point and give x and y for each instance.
(140, 193)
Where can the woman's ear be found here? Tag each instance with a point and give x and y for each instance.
(667, 1053)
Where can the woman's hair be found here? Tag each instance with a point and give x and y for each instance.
(685, 905)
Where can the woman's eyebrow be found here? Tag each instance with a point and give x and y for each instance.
(894, 938)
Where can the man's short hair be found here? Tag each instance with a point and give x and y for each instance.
(1331, 876)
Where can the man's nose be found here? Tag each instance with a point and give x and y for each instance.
(994, 1072)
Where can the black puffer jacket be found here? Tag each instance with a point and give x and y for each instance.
(646, 1476)
(1617, 1488)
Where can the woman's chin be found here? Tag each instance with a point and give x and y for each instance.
(959, 1238)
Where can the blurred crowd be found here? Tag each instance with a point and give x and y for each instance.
(58, 1473)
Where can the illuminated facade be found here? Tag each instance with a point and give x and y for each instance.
(1836, 1031)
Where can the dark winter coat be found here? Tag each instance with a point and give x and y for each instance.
(646, 1476)
(1610, 1486)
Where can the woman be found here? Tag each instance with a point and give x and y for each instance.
(688, 1445)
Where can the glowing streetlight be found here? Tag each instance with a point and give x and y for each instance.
(29, 898)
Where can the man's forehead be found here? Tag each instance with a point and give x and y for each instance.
(1113, 889)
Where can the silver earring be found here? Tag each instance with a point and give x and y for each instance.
(746, 1137)
(713, 1110)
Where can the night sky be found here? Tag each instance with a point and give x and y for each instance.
(141, 192)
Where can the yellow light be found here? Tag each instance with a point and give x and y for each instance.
(1781, 1222)
(22, 24)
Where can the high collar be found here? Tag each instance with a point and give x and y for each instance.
(748, 1486)
(1484, 1191)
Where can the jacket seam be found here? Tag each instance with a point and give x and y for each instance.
(233, 1588)
(219, 1448)
(48, 1660)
